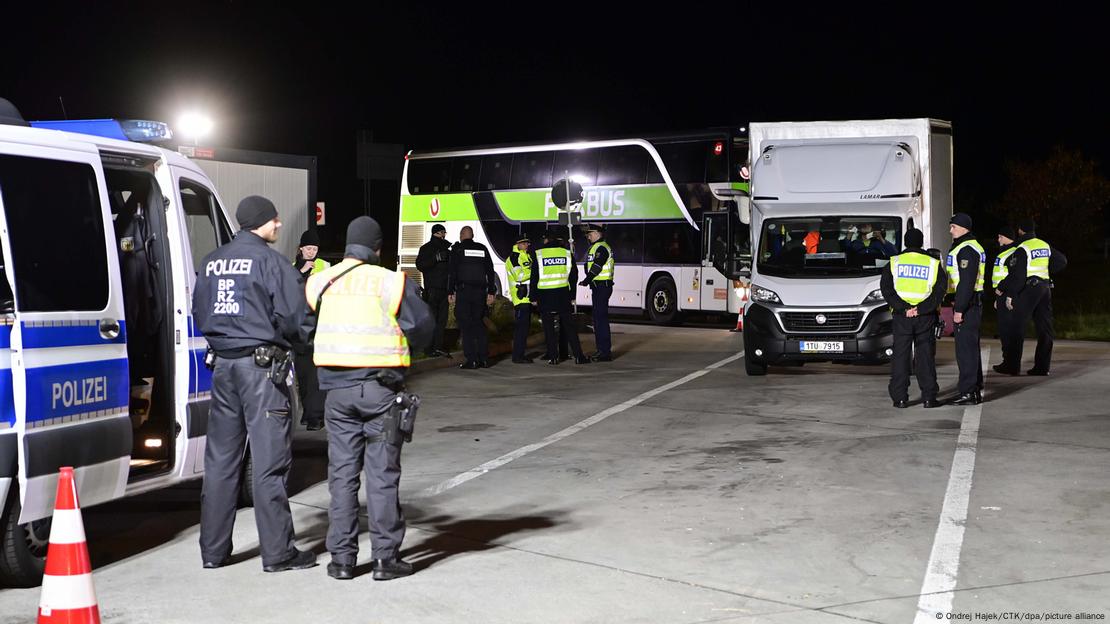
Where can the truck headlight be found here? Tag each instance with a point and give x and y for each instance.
(875, 296)
(767, 295)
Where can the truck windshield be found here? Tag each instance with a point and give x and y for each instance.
(828, 246)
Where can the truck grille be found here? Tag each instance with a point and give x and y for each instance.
(834, 321)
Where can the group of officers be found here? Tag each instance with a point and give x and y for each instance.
(545, 280)
(915, 284)
(349, 329)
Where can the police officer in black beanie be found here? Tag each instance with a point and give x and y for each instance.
(249, 305)
(966, 265)
(432, 260)
(368, 319)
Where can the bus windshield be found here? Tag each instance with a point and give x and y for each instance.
(828, 246)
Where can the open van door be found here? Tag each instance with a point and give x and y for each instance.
(64, 337)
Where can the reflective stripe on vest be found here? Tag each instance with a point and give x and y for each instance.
(520, 273)
(357, 325)
(554, 268)
(915, 274)
(606, 269)
(1000, 269)
(1038, 252)
(954, 270)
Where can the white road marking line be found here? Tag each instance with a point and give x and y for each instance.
(937, 590)
(571, 430)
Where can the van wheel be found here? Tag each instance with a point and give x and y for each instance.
(23, 547)
(246, 483)
(754, 369)
(662, 301)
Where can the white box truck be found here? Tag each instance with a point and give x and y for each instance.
(831, 201)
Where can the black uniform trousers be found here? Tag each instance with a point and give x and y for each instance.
(1034, 302)
(470, 308)
(308, 386)
(914, 336)
(246, 405)
(436, 298)
(601, 292)
(521, 324)
(1006, 333)
(969, 359)
(354, 423)
(555, 302)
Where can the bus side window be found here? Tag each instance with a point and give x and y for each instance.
(495, 172)
(532, 170)
(464, 175)
(622, 165)
(685, 162)
(204, 221)
(581, 165)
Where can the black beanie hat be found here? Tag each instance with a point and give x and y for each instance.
(1027, 225)
(438, 228)
(310, 237)
(961, 219)
(254, 212)
(1008, 232)
(366, 232)
(914, 238)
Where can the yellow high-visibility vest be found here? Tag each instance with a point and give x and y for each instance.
(357, 325)
(915, 274)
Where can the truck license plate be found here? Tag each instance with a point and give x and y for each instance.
(821, 346)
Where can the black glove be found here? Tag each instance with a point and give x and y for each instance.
(521, 291)
(585, 282)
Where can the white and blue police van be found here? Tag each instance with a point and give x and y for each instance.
(101, 367)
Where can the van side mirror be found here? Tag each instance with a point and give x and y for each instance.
(744, 209)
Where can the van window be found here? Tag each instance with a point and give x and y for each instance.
(7, 300)
(204, 220)
(56, 233)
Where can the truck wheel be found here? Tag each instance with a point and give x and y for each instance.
(754, 369)
(662, 301)
(246, 483)
(22, 547)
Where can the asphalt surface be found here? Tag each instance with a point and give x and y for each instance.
(668, 486)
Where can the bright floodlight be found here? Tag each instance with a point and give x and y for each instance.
(194, 125)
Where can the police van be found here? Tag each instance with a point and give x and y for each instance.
(101, 367)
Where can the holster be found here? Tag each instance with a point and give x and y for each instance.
(399, 423)
(282, 375)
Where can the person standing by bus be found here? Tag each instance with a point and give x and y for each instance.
(966, 269)
(553, 278)
(1006, 247)
(432, 261)
(599, 277)
(249, 305)
(518, 266)
(471, 285)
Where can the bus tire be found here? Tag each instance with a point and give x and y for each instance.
(662, 301)
(22, 546)
(246, 482)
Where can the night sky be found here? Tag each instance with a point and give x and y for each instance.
(305, 80)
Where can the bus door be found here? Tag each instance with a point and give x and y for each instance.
(65, 332)
(714, 285)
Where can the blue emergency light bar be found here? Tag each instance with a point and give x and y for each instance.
(137, 130)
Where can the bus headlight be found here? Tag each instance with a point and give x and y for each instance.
(875, 296)
(767, 295)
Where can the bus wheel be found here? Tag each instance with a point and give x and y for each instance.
(246, 483)
(662, 301)
(23, 547)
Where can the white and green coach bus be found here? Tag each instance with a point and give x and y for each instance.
(669, 204)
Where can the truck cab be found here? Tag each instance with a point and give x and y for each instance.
(831, 202)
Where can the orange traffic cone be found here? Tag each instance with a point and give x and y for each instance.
(67, 595)
(739, 322)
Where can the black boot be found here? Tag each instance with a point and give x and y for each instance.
(389, 569)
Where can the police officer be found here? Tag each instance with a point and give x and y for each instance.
(518, 266)
(599, 277)
(369, 318)
(432, 260)
(966, 269)
(553, 278)
(312, 398)
(913, 284)
(248, 304)
(307, 262)
(1028, 291)
(1007, 245)
(471, 285)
